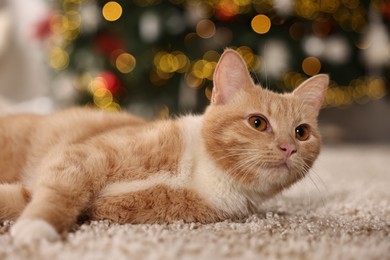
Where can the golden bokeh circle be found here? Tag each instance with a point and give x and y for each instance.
(112, 11)
(125, 63)
(261, 24)
(311, 66)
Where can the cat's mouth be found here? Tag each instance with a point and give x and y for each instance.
(280, 167)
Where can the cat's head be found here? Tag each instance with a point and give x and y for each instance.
(264, 140)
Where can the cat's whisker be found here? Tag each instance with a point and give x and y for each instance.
(235, 154)
(235, 151)
(251, 168)
(323, 184)
(306, 169)
(318, 189)
(243, 164)
(227, 156)
(241, 148)
(246, 166)
(315, 174)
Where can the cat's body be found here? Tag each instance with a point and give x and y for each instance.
(250, 144)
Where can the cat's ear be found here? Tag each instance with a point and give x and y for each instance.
(312, 91)
(231, 75)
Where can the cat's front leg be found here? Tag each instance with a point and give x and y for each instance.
(49, 215)
(28, 230)
(68, 181)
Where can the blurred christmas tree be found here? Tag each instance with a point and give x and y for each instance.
(159, 55)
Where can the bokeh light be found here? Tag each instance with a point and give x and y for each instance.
(102, 89)
(297, 31)
(252, 61)
(226, 10)
(359, 91)
(112, 11)
(102, 97)
(71, 21)
(205, 28)
(306, 8)
(155, 79)
(83, 81)
(311, 66)
(189, 55)
(167, 62)
(204, 69)
(261, 24)
(58, 58)
(125, 62)
(175, 61)
(211, 56)
(193, 81)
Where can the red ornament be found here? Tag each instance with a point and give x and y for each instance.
(226, 10)
(111, 81)
(386, 10)
(43, 30)
(107, 43)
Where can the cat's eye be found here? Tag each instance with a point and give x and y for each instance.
(302, 132)
(258, 122)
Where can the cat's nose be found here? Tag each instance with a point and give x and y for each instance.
(288, 149)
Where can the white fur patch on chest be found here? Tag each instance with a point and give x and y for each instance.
(196, 172)
(206, 178)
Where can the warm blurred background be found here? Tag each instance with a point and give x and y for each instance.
(156, 58)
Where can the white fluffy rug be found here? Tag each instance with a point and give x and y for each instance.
(342, 211)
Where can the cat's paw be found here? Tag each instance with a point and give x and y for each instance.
(29, 230)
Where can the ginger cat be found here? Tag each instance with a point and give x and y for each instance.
(250, 144)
